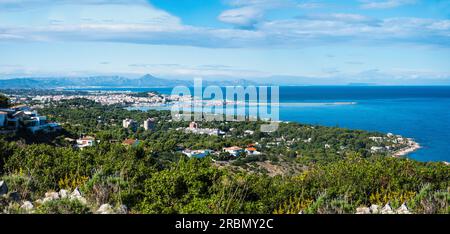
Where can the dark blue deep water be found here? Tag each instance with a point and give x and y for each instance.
(419, 112)
(422, 113)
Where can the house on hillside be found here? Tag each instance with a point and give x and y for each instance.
(194, 128)
(377, 149)
(193, 125)
(249, 132)
(197, 153)
(86, 141)
(129, 123)
(252, 151)
(22, 117)
(234, 150)
(130, 142)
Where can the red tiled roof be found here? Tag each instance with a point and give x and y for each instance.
(129, 142)
(233, 148)
(87, 138)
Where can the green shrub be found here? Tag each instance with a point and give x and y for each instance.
(63, 206)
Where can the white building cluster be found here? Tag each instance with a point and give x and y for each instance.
(129, 123)
(193, 128)
(149, 124)
(108, 98)
(23, 117)
(86, 141)
(392, 142)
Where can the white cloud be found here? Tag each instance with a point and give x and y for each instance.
(385, 4)
(354, 28)
(149, 25)
(247, 13)
(310, 5)
(289, 33)
(242, 17)
(340, 17)
(397, 76)
(27, 3)
(262, 3)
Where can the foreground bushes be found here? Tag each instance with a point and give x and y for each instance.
(116, 175)
(63, 206)
(338, 187)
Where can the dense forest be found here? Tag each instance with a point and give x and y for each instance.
(154, 177)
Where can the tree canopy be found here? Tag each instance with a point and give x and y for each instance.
(154, 177)
(4, 101)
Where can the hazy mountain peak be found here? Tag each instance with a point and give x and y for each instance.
(146, 81)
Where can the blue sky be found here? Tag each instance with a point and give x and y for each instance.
(283, 41)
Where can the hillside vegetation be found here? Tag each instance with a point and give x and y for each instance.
(155, 177)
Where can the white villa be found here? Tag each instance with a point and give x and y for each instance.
(197, 153)
(87, 141)
(22, 116)
(234, 150)
(193, 128)
(252, 151)
(129, 123)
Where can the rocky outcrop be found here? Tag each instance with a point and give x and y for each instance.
(27, 206)
(386, 209)
(403, 209)
(63, 193)
(105, 209)
(363, 210)
(76, 194)
(14, 204)
(108, 209)
(374, 209)
(123, 209)
(3, 188)
(50, 196)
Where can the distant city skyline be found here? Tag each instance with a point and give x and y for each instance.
(275, 41)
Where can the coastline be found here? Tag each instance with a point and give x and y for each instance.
(363, 117)
(412, 147)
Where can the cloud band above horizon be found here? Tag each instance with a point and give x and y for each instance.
(252, 24)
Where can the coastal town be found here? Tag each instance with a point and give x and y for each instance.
(125, 98)
(23, 115)
(113, 98)
(263, 113)
(75, 131)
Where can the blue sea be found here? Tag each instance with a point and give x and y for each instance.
(419, 112)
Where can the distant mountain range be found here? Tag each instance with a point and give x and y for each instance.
(147, 81)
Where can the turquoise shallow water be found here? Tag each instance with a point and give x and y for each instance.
(422, 113)
(427, 121)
